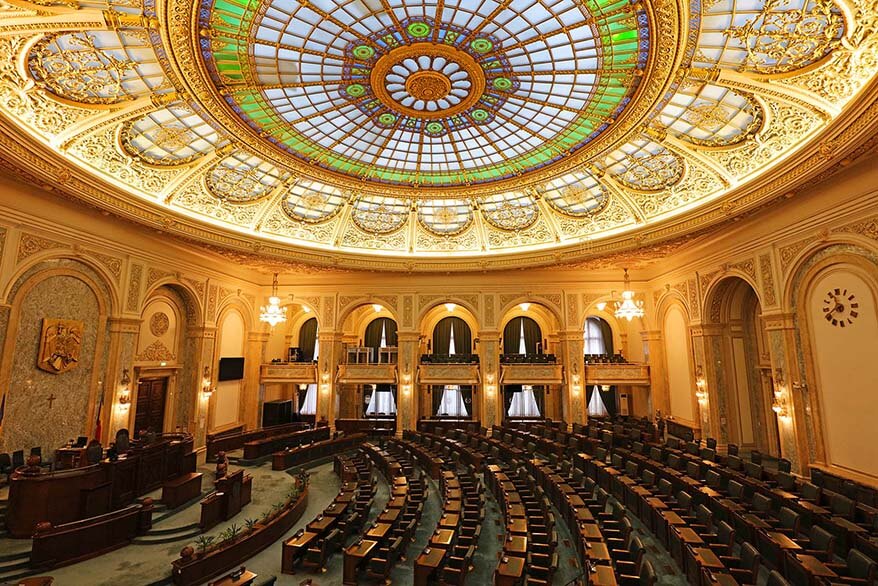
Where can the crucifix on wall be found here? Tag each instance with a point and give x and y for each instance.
(50, 399)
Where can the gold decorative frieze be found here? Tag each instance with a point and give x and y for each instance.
(288, 373)
(617, 374)
(366, 373)
(531, 374)
(448, 374)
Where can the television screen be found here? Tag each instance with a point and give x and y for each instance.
(231, 369)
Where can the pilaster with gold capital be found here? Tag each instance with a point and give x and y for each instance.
(251, 394)
(331, 353)
(407, 365)
(707, 352)
(799, 429)
(489, 361)
(121, 349)
(658, 381)
(574, 407)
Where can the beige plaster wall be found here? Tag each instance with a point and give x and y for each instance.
(847, 371)
(681, 385)
(228, 393)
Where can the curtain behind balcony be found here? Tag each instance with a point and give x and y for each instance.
(372, 337)
(463, 340)
(308, 338)
(513, 332)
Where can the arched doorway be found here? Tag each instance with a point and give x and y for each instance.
(742, 380)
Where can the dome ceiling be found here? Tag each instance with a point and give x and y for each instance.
(449, 132)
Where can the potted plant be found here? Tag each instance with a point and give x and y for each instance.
(204, 542)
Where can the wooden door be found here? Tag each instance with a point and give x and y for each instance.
(150, 412)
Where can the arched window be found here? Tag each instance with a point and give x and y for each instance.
(380, 333)
(522, 335)
(451, 336)
(598, 336)
(308, 340)
(523, 403)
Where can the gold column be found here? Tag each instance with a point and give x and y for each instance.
(489, 393)
(660, 398)
(792, 425)
(124, 333)
(574, 407)
(707, 348)
(251, 399)
(407, 364)
(327, 367)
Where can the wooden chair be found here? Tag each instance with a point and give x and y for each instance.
(857, 569)
(315, 558)
(820, 543)
(744, 569)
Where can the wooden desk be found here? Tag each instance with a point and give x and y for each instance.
(703, 558)
(396, 502)
(378, 531)
(294, 548)
(449, 520)
(353, 556)
(815, 567)
(426, 565)
(782, 541)
(389, 515)
(597, 552)
(322, 524)
(442, 538)
(602, 576)
(509, 571)
(583, 515)
(591, 532)
(517, 526)
(515, 545)
(335, 509)
(245, 580)
(516, 511)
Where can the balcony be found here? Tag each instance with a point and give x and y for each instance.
(531, 374)
(623, 373)
(288, 372)
(365, 374)
(448, 374)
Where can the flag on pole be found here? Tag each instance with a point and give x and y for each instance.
(100, 408)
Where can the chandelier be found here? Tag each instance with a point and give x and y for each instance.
(628, 308)
(273, 313)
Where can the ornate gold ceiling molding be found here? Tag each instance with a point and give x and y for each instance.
(181, 35)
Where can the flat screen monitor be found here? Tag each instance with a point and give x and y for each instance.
(231, 369)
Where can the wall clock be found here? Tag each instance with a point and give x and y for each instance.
(840, 307)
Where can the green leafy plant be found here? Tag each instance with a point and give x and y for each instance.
(250, 524)
(204, 542)
(231, 533)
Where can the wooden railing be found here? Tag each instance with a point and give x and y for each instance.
(227, 442)
(196, 567)
(88, 538)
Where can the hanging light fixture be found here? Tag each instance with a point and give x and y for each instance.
(273, 313)
(628, 308)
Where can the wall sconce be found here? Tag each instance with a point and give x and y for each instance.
(780, 405)
(450, 306)
(524, 306)
(206, 387)
(303, 387)
(306, 309)
(324, 389)
(700, 386)
(406, 389)
(377, 307)
(406, 378)
(489, 378)
(601, 305)
(324, 378)
(125, 390)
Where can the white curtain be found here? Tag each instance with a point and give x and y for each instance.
(596, 407)
(383, 343)
(522, 347)
(451, 342)
(309, 405)
(451, 404)
(524, 404)
(316, 344)
(381, 403)
(594, 338)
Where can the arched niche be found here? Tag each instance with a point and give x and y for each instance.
(48, 401)
(434, 315)
(286, 335)
(738, 365)
(545, 319)
(598, 336)
(839, 285)
(225, 401)
(679, 367)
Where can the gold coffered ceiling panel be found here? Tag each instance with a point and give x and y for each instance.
(465, 136)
